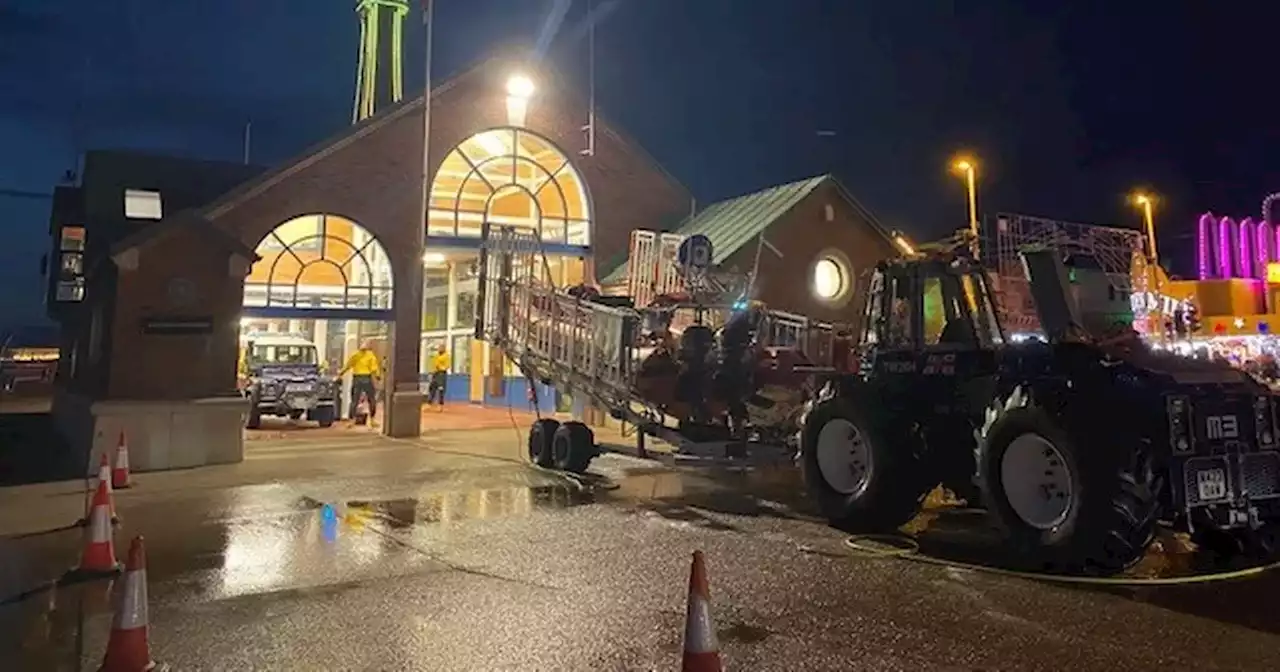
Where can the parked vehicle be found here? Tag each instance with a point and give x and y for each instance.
(281, 374)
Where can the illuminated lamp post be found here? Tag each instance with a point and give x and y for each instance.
(968, 168)
(1147, 202)
(519, 90)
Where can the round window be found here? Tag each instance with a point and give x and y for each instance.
(829, 279)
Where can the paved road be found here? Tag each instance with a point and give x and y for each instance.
(440, 560)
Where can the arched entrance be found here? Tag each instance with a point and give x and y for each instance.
(506, 176)
(322, 287)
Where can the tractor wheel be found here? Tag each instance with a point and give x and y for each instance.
(1087, 508)
(864, 476)
(540, 435)
(573, 447)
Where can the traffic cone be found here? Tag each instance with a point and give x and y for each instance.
(127, 648)
(701, 650)
(99, 555)
(104, 476)
(120, 472)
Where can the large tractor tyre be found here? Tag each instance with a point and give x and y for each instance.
(864, 476)
(1083, 508)
(573, 447)
(540, 436)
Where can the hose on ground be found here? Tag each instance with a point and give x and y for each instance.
(904, 547)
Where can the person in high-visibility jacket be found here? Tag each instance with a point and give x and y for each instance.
(366, 369)
(439, 375)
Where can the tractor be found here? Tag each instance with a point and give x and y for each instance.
(1077, 447)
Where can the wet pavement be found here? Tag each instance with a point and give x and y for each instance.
(444, 561)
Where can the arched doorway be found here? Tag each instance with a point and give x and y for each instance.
(321, 287)
(506, 176)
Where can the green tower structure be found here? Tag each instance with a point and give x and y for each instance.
(381, 40)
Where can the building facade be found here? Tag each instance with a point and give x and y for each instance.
(333, 244)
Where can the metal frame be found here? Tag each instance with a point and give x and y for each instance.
(588, 348)
(290, 308)
(516, 158)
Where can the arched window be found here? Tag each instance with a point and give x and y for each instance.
(320, 262)
(511, 177)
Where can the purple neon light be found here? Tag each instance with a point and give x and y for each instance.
(1263, 250)
(1224, 247)
(1202, 243)
(1244, 237)
(1230, 249)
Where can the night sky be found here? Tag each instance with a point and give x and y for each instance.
(1067, 109)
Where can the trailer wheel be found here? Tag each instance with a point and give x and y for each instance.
(573, 447)
(540, 436)
(864, 476)
(1086, 508)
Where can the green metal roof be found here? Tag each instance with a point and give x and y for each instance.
(733, 223)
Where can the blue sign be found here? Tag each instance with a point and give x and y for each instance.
(695, 252)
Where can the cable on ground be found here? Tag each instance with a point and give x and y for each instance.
(904, 547)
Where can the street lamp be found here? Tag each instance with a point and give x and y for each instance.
(519, 90)
(903, 244)
(968, 167)
(1146, 202)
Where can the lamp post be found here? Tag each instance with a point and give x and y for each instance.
(969, 169)
(1147, 202)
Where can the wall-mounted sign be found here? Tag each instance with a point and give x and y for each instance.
(177, 326)
(1150, 302)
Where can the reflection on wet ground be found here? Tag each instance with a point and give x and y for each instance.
(283, 539)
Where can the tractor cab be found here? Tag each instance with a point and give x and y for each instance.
(929, 320)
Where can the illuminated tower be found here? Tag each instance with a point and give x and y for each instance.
(379, 18)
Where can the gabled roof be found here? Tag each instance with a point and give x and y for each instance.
(348, 136)
(189, 219)
(733, 223)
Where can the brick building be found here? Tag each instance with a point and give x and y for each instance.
(177, 259)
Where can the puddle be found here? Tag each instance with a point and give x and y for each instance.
(744, 633)
(490, 503)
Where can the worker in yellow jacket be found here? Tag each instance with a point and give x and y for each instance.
(439, 375)
(366, 370)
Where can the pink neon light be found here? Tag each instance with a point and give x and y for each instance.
(1202, 243)
(1244, 237)
(1229, 249)
(1263, 250)
(1224, 247)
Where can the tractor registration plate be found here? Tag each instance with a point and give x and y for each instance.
(297, 387)
(1212, 484)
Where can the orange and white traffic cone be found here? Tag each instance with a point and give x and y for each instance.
(701, 650)
(99, 555)
(120, 471)
(127, 648)
(104, 476)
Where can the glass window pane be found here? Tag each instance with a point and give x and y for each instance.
(72, 239)
(460, 352)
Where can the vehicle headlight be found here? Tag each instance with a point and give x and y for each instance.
(270, 388)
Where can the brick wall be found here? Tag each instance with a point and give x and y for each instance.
(168, 367)
(375, 181)
(802, 236)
